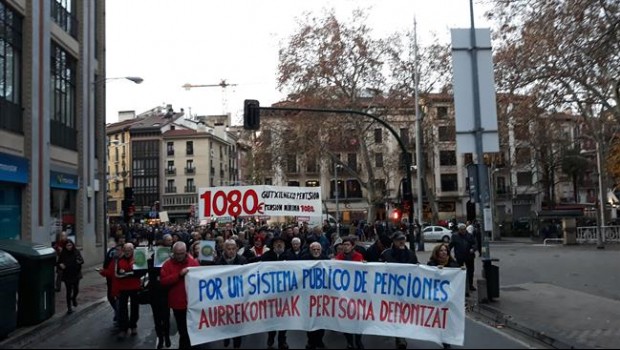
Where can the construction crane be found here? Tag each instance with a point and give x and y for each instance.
(223, 84)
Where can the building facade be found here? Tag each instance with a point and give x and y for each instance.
(52, 121)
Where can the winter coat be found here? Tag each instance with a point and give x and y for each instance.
(73, 261)
(170, 276)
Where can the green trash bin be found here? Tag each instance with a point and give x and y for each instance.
(36, 295)
(9, 280)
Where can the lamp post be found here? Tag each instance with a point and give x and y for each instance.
(104, 180)
(601, 212)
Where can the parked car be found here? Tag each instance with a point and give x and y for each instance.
(436, 233)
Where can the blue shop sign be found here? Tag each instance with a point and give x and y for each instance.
(62, 180)
(13, 168)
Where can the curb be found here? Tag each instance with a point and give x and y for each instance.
(498, 317)
(23, 337)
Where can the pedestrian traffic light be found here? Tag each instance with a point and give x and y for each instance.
(251, 115)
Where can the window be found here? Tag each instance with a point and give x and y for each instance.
(170, 148)
(291, 163)
(313, 183)
(62, 13)
(312, 165)
(404, 136)
(523, 156)
(468, 158)
(63, 100)
(354, 190)
(379, 160)
(446, 133)
(10, 69)
(189, 167)
(449, 182)
(352, 161)
(190, 148)
(170, 187)
(378, 136)
(447, 158)
(524, 178)
(522, 132)
(380, 187)
(442, 112)
(170, 164)
(190, 185)
(293, 183)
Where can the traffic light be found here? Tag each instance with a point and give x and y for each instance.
(396, 215)
(251, 115)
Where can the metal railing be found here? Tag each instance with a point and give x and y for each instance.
(589, 234)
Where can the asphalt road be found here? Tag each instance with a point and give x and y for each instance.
(95, 331)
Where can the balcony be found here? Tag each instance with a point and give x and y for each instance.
(171, 189)
(190, 189)
(171, 171)
(190, 170)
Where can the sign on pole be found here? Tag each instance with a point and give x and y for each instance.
(464, 96)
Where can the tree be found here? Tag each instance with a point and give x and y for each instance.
(566, 54)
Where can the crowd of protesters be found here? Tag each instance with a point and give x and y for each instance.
(234, 245)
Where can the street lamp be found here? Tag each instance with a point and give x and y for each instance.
(601, 214)
(136, 80)
(101, 145)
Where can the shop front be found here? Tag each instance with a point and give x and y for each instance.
(13, 178)
(63, 197)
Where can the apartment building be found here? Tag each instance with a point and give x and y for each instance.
(202, 157)
(516, 174)
(52, 121)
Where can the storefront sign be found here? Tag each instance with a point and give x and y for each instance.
(13, 168)
(65, 181)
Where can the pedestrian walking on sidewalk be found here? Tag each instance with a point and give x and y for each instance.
(59, 244)
(173, 273)
(70, 262)
(464, 245)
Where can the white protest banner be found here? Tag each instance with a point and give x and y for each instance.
(372, 298)
(259, 201)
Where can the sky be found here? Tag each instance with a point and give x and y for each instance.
(170, 43)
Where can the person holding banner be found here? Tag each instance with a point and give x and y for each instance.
(276, 253)
(399, 254)
(230, 257)
(128, 285)
(349, 253)
(173, 273)
(315, 338)
(440, 257)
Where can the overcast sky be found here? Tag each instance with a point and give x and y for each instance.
(169, 43)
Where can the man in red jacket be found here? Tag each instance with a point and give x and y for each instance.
(172, 275)
(128, 284)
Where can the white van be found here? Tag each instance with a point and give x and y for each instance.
(318, 220)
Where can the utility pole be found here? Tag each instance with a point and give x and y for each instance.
(418, 139)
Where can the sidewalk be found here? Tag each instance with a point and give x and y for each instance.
(92, 293)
